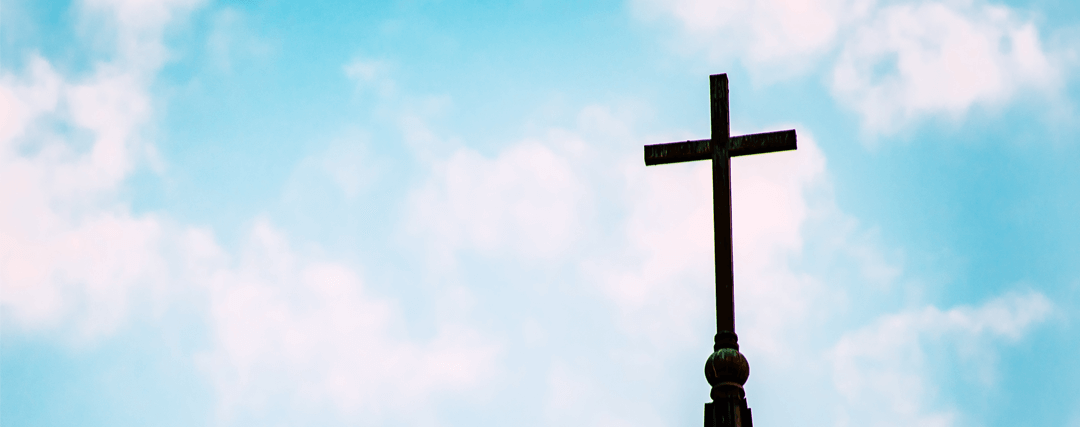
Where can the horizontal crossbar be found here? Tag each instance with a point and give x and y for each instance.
(758, 143)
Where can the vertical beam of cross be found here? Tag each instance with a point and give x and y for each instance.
(720, 149)
(721, 174)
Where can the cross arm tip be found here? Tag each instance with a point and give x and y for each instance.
(759, 143)
(676, 152)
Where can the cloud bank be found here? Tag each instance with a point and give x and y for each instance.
(287, 330)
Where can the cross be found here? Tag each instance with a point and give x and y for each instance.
(726, 366)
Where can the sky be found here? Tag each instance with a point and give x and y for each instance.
(436, 213)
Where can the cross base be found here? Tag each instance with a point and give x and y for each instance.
(727, 371)
(730, 410)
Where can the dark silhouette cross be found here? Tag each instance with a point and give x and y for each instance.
(726, 369)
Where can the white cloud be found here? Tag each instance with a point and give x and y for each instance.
(346, 167)
(232, 39)
(886, 377)
(303, 336)
(371, 74)
(777, 37)
(23, 100)
(72, 252)
(660, 278)
(133, 30)
(773, 197)
(528, 199)
(895, 62)
(912, 61)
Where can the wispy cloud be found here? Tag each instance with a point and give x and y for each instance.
(885, 372)
(372, 74)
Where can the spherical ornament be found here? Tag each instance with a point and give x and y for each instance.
(727, 365)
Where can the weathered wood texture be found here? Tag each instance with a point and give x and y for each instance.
(744, 145)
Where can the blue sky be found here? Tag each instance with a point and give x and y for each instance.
(437, 213)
